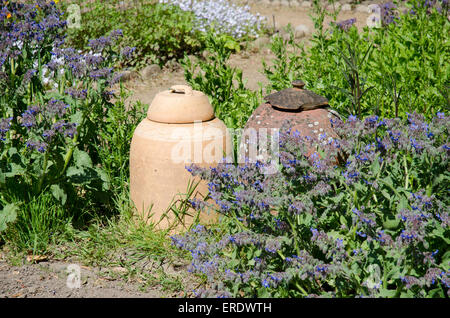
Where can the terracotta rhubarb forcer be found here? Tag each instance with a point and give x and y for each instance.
(305, 111)
(180, 129)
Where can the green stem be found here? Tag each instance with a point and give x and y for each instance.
(301, 289)
(239, 223)
(69, 154)
(372, 193)
(294, 231)
(406, 172)
(400, 287)
(68, 157)
(44, 168)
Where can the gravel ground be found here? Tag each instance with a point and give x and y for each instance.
(51, 279)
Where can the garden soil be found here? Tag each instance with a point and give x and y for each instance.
(47, 278)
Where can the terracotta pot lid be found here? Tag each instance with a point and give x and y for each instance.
(296, 98)
(180, 105)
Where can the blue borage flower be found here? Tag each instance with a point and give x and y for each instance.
(28, 118)
(346, 24)
(408, 236)
(56, 107)
(388, 14)
(356, 252)
(272, 246)
(48, 134)
(77, 94)
(197, 204)
(37, 145)
(394, 135)
(362, 234)
(128, 51)
(5, 126)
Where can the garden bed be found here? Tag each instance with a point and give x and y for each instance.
(119, 260)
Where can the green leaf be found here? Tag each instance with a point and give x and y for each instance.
(386, 194)
(343, 220)
(80, 175)
(104, 177)
(376, 166)
(15, 170)
(393, 274)
(439, 232)
(391, 223)
(12, 151)
(388, 181)
(82, 158)
(436, 293)
(59, 193)
(74, 171)
(403, 204)
(386, 293)
(7, 215)
(77, 117)
(446, 258)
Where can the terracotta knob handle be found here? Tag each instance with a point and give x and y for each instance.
(298, 84)
(181, 89)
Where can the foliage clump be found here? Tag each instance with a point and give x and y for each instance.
(375, 224)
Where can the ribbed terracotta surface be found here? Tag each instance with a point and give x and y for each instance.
(180, 129)
(308, 123)
(180, 105)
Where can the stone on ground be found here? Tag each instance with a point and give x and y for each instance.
(306, 4)
(301, 30)
(346, 7)
(150, 71)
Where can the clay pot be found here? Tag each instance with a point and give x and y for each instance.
(180, 129)
(309, 122)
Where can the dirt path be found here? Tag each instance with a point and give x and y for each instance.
(49, 279)
(52, 279)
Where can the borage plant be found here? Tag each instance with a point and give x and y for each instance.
(52, 108)
(374, 224)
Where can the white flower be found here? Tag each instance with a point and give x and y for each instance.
(223, 16)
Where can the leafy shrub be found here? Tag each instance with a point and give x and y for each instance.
(232, 101)
(396, 68)
(159, 32)
(375, 225)
(113, 146)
